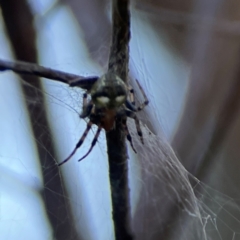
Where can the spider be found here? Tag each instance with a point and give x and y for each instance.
(110, 99)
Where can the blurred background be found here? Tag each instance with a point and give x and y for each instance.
(186, 56)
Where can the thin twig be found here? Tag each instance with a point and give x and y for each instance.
(34, 69)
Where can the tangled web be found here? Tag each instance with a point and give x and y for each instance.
(172, 203)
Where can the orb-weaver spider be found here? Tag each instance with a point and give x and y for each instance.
(110, 99)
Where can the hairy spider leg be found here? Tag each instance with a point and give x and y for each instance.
(137, 123)
(129, 137)
(139, 108)
(131, 96)
(85, 100)
(78, 145)
(146, 101)
(93, 143)
(86, 107)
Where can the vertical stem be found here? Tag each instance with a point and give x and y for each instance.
(117, 151)
(119, 52)
(118, 174)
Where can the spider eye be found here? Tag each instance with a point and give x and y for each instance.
(103, 99)
(120, 98)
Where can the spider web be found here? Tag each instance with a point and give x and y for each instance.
(164, 196)
(168, 195)
(160, 188)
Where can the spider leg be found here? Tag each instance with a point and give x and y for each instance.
(137, 123)
(85, 100)
(146, 101)
(131, 95)
(80, 142)
(93, 143)
(131, 104)
(87, 107)
(129, 138)
(131, 113)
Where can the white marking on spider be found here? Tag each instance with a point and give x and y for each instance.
(103, 99)
(120, 98)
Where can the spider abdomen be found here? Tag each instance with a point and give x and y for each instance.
(108, 120)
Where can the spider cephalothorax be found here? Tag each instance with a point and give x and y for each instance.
(109, 92)
(110, 99)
